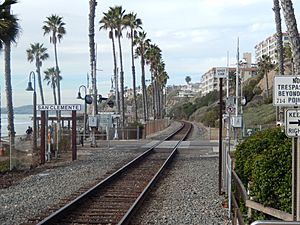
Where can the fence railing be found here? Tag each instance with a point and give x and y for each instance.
(240, 196)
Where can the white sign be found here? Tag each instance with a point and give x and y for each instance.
(93, 121)
(221, 72)
(67, 107)
(286, 91)
(236, 121)
(292, 122)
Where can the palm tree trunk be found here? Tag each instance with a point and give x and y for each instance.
(144, 91)
(279, 37)
(7, 74)
(57, 74)
(267, 84)
(291, 24)
(93, 5)
(115, 72)
(38, 70)
(153, 97)
(133, 77)
(122, 84)
(54, 93)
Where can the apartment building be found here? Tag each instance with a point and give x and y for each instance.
(269, 47)
(210, 83)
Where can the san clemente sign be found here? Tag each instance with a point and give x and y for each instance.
(52, 107)
(286, 91)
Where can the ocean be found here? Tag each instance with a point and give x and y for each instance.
(22, 121)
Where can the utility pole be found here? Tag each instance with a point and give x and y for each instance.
(237, 92)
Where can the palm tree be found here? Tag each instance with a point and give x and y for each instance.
(54, 26)
(51, 78)
(93, 4)
(118, 13)
(188, 79)
(9, 31)
(38, 53)
(108, 23)
(162, 78)
(265, 65)
(153, 58)
(142, 44)
(276, 10)
(134, 24)
(291, 24)
(288, 58)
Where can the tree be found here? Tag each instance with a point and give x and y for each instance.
(288, 58)
(134, 23)
(38, 53)
(188, 79)
(108, 23)
(50, 77)
(93, 4)
(153, 58)
(9, 31)
(119, 13)
(291, 24)
(54, 26)
(280, 51)
(142, 44)
(265, 65)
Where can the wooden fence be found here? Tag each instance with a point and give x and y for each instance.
(240, 196)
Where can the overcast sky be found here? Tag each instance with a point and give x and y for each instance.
(194, 35)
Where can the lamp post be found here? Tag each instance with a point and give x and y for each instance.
(29, 88)
(85, 109)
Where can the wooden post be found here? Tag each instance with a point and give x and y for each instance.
(74, 147)
(43, 138)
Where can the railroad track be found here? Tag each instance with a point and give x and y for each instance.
(115, 199)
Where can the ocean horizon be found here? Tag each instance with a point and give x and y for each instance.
(21, 121)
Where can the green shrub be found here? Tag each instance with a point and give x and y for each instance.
(4, 166)
(264, 161)
(210, 117)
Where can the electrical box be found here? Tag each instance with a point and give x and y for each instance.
(237, 121)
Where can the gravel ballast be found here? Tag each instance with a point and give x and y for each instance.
(186, 194)
(36, 192)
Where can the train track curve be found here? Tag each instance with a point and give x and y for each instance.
(115, 199)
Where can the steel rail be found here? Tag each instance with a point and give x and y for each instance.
(130, 213)
(77, 201)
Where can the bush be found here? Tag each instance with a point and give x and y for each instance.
(210, 117)
(264, 161)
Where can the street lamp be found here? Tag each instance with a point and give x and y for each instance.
(29, 88)
(85, 108)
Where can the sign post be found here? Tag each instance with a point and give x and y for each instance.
(221, 72)
(286, 92)
(65, 107)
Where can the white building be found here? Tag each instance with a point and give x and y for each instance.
(210, 83)
(269, 47)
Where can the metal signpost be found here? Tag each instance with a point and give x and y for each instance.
(286, 92)
(221, 72)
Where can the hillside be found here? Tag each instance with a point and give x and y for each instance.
(25, 109)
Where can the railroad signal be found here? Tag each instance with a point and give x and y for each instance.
(88, 99)
(100, 98)
(110, 103)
